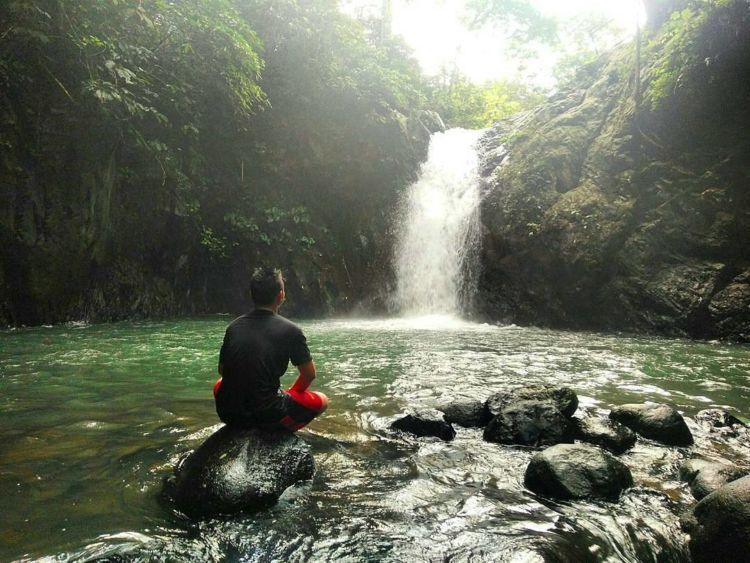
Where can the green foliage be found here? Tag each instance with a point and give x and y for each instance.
(582, 41)
(194, 138)
(523, 21)
(684, 51)
(334, 135)
(462, 103)
(576, 41)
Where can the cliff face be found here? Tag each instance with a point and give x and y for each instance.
(600, 213)
(77, 243)
(151, 156)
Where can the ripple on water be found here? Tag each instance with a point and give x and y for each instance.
(95, 419)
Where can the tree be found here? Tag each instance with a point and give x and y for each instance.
(461, 103)
(524, 21)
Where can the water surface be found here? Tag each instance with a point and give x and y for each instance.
(94, 418)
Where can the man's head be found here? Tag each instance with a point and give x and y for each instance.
(267, 288)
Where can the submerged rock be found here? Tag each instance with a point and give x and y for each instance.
(656, 421)
(240, 470)
(723, 425)
(717, 418)
(425, 423)
(719, 525)
(468, 414)
(577, 471)
(529, 423)
(704, 477)
(608, 434)
(564, 398)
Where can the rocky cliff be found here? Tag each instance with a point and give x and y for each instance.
(624, 203)
(151, 156)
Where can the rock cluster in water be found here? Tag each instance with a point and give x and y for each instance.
(542, 416)
(238, 470)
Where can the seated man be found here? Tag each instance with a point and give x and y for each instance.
(255, 354)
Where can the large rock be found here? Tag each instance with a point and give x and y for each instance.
(425, 423)
(585, 226)
(605, 433)
(719, 525)
(563, 397)
(704, 477)
(577, 471)
(468, 414)
(240, 470)
(529, 423)
(656, 421)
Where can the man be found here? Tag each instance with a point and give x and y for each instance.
(255, 354)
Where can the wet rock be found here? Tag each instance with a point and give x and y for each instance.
(425, 423)
(723, 425)
(431, 121)
(529, 423)
(608, 434)
(240, 470)
(717, 418)
(704, 477)
(655, 421)
(577, 471)
(468, 414)
(719, 525)
(563, 397)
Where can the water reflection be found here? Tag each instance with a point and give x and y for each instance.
(95, 417)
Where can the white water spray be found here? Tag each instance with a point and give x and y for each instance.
(439, 228)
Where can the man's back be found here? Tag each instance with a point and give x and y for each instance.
(255, 354)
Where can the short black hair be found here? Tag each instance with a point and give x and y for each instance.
(265, 285)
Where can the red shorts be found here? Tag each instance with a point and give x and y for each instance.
(301, 408)
(297, 409)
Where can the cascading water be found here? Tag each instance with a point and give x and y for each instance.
(439, 228)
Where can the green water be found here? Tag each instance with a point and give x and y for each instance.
(95, 417)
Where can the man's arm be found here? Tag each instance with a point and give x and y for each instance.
(305, 377)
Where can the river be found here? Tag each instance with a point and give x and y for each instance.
(95, 417)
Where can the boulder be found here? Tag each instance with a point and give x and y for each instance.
(563, 397)
(655, 421)
(577, 471)
(704, 477)
(719, 525)
(468, 414)
(608, 434)
(425, 423)
(240, 470)
(529, 423)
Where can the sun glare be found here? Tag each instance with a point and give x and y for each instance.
(442, 43)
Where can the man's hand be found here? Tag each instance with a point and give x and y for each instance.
(305, 377)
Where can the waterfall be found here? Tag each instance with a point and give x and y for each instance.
(439, 228)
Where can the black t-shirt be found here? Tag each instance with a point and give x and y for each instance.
(255, 354)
